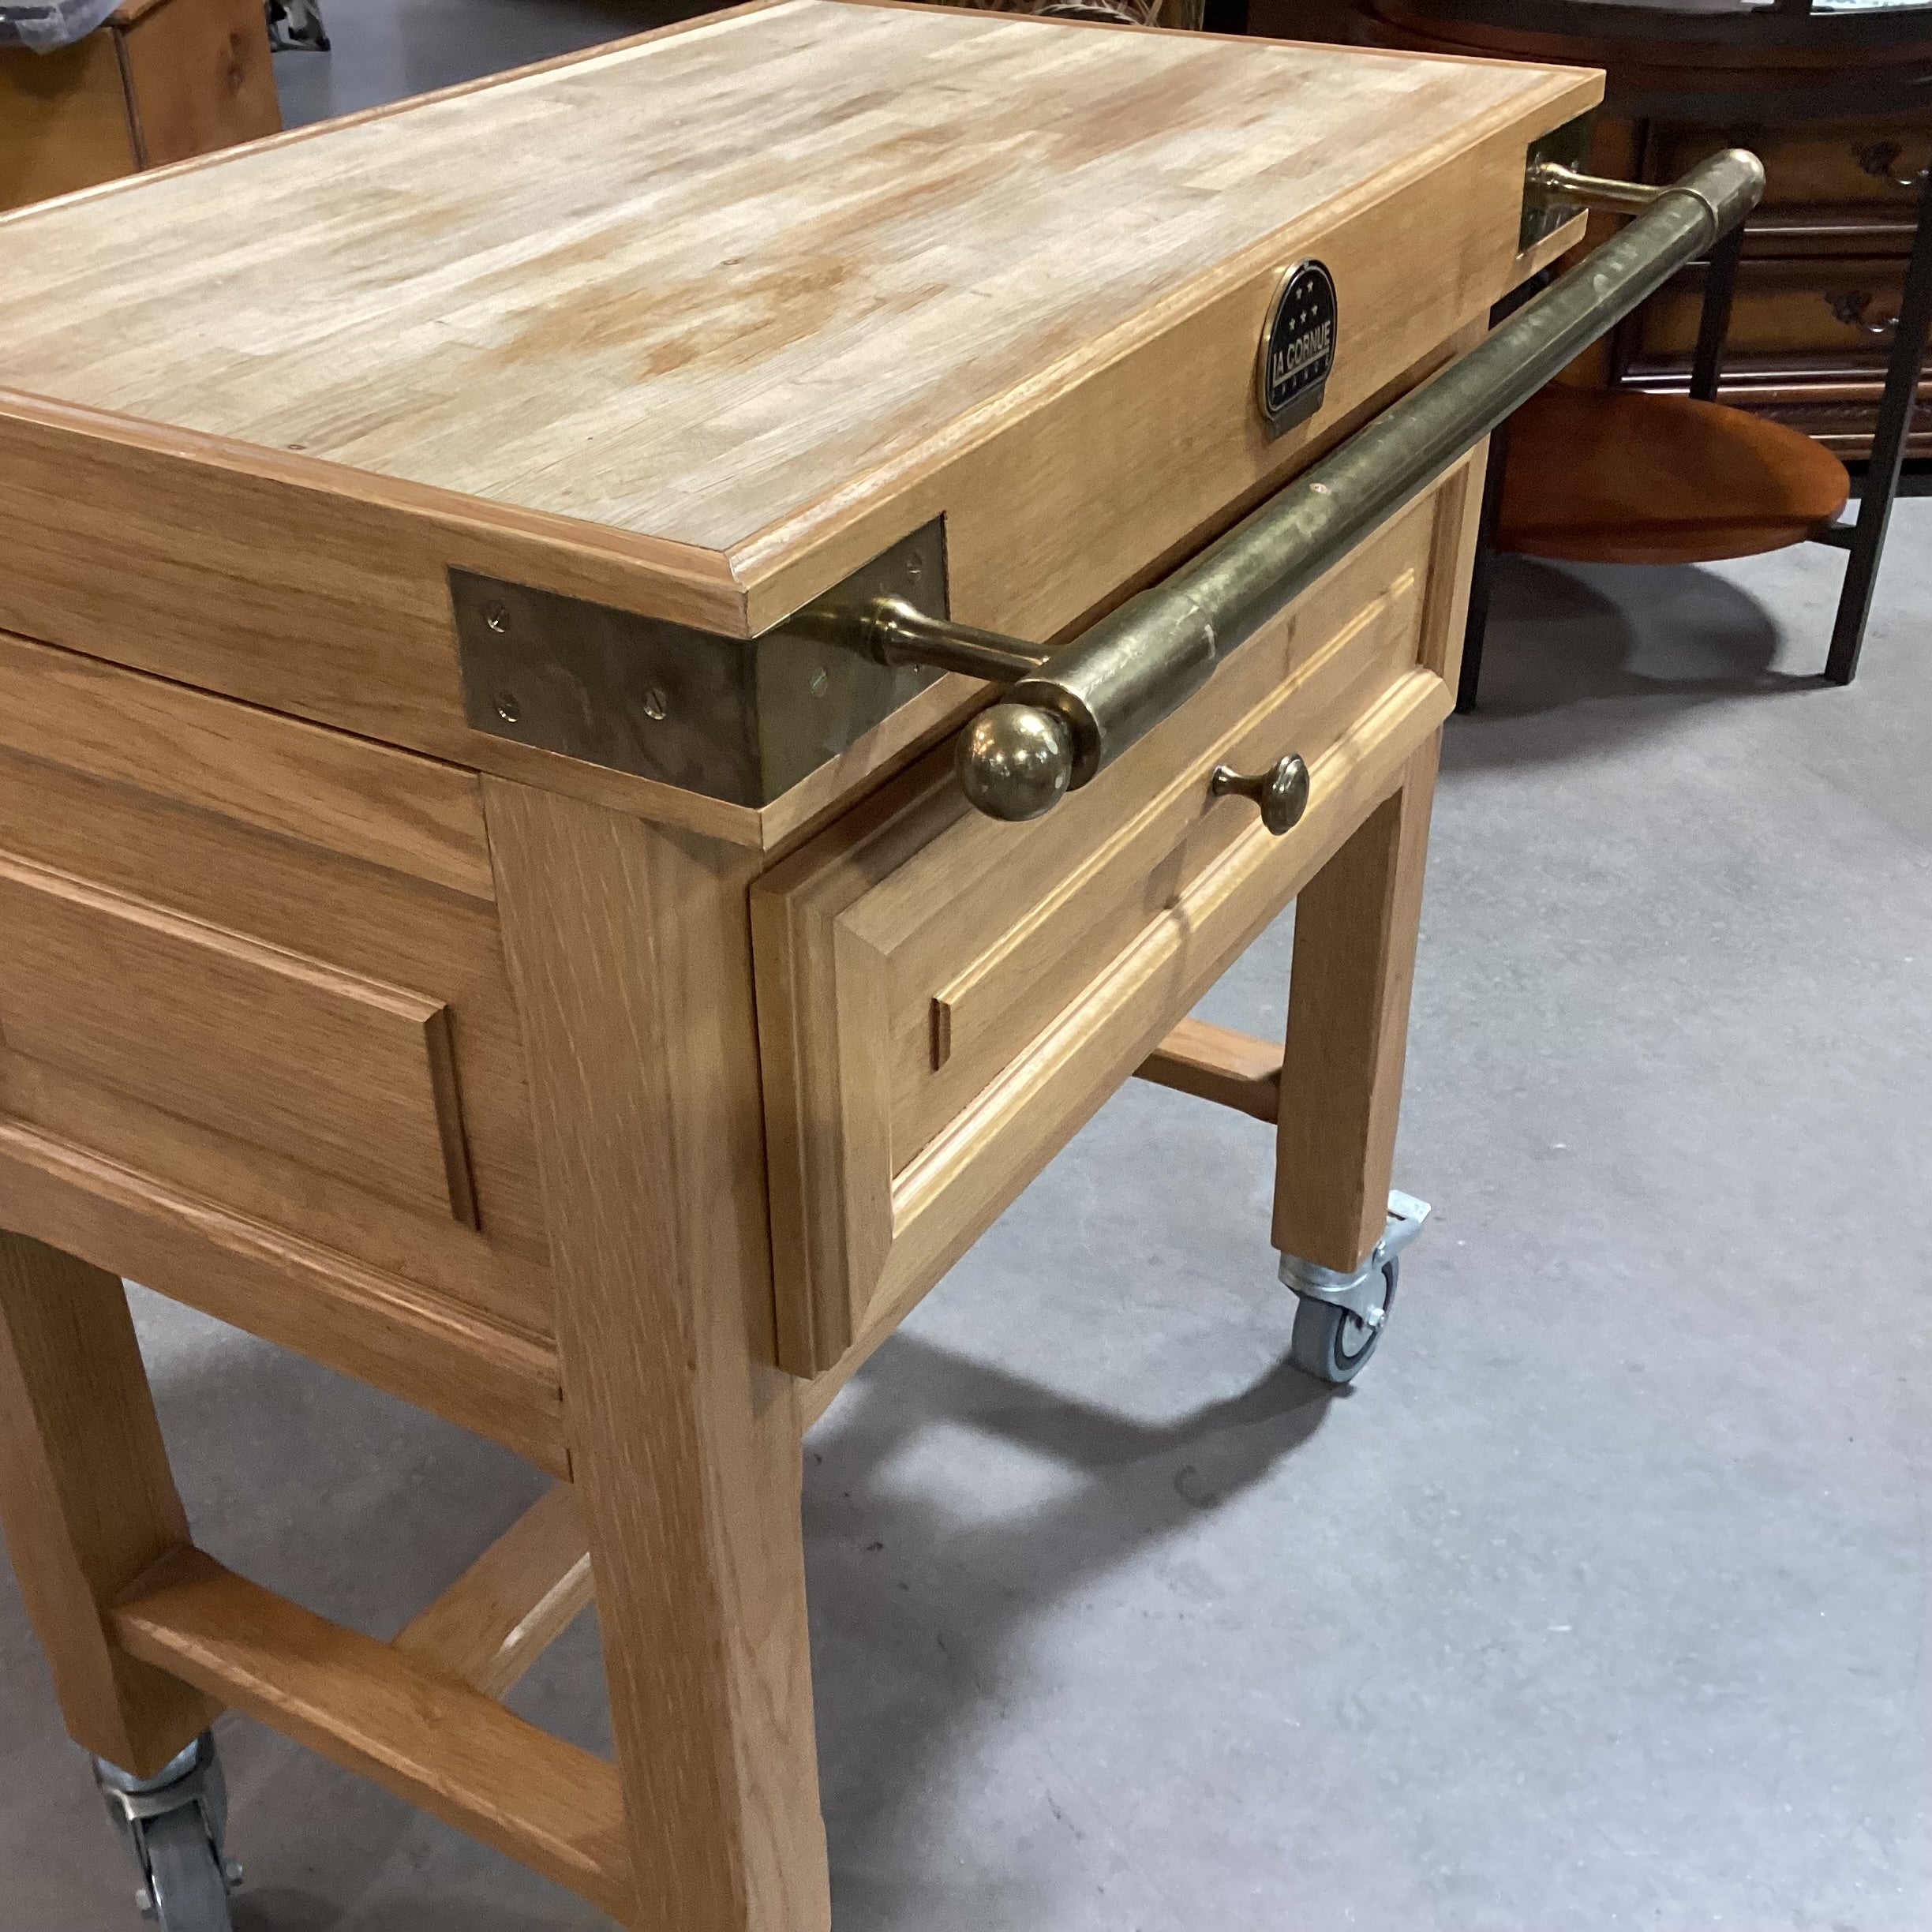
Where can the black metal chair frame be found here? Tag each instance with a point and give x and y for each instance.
(1862, 539)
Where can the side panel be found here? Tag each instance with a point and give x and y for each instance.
(200, 77)
(330, 1070)
(257, 1045)
(63, 120)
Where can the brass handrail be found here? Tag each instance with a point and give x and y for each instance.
(1075, 712)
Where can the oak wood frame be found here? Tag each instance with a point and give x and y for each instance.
(631, 955)
(1215, 1063)
(630, 950)
(86, 1497)
(631, 947)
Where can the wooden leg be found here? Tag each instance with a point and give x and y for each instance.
(87, 1499)
(1348, 1026)
(629, 951)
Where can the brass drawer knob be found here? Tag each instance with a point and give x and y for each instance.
(1281, 790)
(1849, 308)
(1878, 161)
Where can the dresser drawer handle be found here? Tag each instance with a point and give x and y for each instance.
(1877, 162)
(1281, 790)
(1849, 307)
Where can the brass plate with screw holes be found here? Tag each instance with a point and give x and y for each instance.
(1569, 145)
(738, 719)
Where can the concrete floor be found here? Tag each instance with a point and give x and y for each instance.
(1600, 1602)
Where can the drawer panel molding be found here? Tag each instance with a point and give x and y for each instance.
(340, 1073)
(943, 999)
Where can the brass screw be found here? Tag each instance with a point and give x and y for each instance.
(507, 709)
(496, 617)
(820, 682)
(655, 707)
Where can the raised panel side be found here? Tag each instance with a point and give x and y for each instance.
(223, 866)
(352, 1077)
(366, 1322)
(469, 1267)
(301, 782)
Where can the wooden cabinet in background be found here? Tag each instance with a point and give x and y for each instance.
(1838, 104)
(1818, 285)
(161, 81)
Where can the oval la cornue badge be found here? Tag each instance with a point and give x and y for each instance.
(1297, 346)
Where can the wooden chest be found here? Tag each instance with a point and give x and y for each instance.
(1820, 281)
(161, 81)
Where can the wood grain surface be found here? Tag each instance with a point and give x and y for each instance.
(320, 788)
(1213, 1063)
(653, 322)
(762, 292)
(63, 119)
(162, 80)
(226, 868)
(199, 76)
(494, 1622)
(86, 1498)
(916, 953)
(1348, 1028)
(427, 1738)
(367, 1322)
(630, 951)
(335, 1072)
(1617, 477)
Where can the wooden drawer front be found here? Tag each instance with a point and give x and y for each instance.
(345, 1076)
(1865, 162)
(1786, 308)
(943, 999)
(257, 964)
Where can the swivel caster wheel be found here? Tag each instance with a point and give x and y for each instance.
(1333, 1343)
(173, 1823)
(1342, 1315)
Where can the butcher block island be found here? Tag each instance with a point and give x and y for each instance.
(563, 851)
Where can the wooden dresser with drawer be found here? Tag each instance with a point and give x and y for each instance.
(1820, 281)
(1837, 102)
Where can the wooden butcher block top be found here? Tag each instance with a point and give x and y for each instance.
(696, 325)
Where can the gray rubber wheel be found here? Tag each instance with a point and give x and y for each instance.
(186, 1884)
(1333, 1344)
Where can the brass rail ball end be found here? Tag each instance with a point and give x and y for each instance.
(1016, 761)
